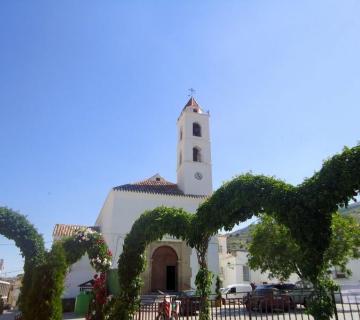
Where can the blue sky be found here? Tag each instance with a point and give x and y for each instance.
(90, 92)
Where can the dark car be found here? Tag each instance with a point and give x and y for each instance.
(284, 287)
(190, 302)
(302, 293)
(268, 298)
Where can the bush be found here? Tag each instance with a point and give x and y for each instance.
(217, 288)
(51, 275)
(15, 226)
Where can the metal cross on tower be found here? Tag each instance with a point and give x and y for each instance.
(192, 92)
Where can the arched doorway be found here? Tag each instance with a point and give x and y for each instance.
(164, 269)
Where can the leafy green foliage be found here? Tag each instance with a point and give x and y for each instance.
(51, 274)
(218, 285)
(92, 243)
(322, 303)
(15, 226)
(203, 282)
(50, 277)
(344, 244)
(150, 226)
(306, 210)
(97, 309)
(273, 249)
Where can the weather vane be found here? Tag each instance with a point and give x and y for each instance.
(192, 92)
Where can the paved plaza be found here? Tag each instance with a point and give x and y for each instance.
(10, 315)
(235, 315)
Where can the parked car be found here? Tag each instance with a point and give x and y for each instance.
(235, 291)
(284, 286)
(268, 298)
(190, 302)
(304, 290)
(289, 289)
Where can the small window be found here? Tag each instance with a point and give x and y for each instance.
(157, 179)
(246, 273)
(196, 129)
(180, 158)
(181, 134)
(196, 155)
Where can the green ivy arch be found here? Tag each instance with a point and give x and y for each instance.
(50, 275)
(151, 226)
(16, 227)
(90, 242)
(305, 209)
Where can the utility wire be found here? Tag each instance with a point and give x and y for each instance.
(13, 244)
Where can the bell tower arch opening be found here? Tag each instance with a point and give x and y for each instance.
(194, 173)
(164, 269)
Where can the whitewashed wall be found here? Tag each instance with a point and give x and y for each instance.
(354, 279)
(121, 209)
(231, 267)
(80, 272)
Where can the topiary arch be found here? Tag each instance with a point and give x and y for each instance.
(90, 242)
(151, 226)
(50, 275)
(16, 227)
(305, 209)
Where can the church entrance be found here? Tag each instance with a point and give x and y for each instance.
(164, 269)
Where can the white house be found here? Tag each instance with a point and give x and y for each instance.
(171, 264)
(234, 269)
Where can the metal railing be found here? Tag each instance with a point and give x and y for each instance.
(259, 308)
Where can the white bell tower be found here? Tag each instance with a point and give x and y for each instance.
(193, 150)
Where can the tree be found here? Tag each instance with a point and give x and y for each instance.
(273, 249)
(218, 285)
(305, 209)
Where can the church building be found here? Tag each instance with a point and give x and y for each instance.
(171, 264)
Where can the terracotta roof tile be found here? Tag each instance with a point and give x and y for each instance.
(192, 103)
(155, 185)
(68, 230)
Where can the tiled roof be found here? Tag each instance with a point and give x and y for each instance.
(156, 185)
(68, 230)
(192, 103)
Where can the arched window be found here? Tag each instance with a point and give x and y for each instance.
(196, 129)
(196, 154)
(181, 133)
(180, 158)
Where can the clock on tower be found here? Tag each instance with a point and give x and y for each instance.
(194, 175)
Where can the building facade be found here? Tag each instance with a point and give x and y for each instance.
(233, 267)
(171, 264)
